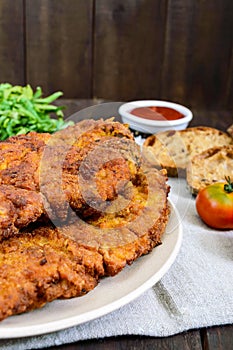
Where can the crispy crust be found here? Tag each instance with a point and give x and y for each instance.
(210, 166)
(18, 209)
(230, 130)
(41, 263)
(123, 236)
(41, 266)
(173, 150)
(45, 170)
(47, 263)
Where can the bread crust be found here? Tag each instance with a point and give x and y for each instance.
(230, 130)
(210, 166)
(173, 150)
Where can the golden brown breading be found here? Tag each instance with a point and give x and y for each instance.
(47, 263)
(107, 207)
(122, 236)
(38, 267)
(18, 208)
(50, 165)
(20, 158)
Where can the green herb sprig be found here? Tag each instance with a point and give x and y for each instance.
(22, 110)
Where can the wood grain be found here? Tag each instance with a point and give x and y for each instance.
(121, 50)
(187, 341)
(12, 65)
(59, 46)
(128, 48)
(220, 119)
(197, 67)
(218, 338)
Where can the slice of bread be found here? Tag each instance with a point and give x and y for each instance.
(210, 166)
(173, 150)
(230, 130)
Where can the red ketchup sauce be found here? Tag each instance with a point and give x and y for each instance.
(157, 113)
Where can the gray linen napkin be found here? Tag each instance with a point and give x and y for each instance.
(195, 292)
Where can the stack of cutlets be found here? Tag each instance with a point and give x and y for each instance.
(75, 206)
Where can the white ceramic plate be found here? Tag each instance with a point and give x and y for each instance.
(109, 295)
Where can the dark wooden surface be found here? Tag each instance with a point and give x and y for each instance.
(212, 338)
(59, 45)
(121, 49)
(129, 40)
(12, 42)
(196, 61)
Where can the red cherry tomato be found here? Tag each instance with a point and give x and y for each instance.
(214, 205)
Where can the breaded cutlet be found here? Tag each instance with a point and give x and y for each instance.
(41, 266)
(47, 263)
(45, 170)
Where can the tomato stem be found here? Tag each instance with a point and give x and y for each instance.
(228, 187)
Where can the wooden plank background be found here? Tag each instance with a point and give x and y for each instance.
(59, 45)
(121, 49)
(12, 42)
(128, 48)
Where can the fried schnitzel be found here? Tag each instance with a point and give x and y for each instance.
(75, 206)
(47, 263)
(45, 170)
(41, 266)
(18, 208)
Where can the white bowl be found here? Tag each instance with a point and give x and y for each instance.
(154, 126)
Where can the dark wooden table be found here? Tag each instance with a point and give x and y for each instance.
(212, 338)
